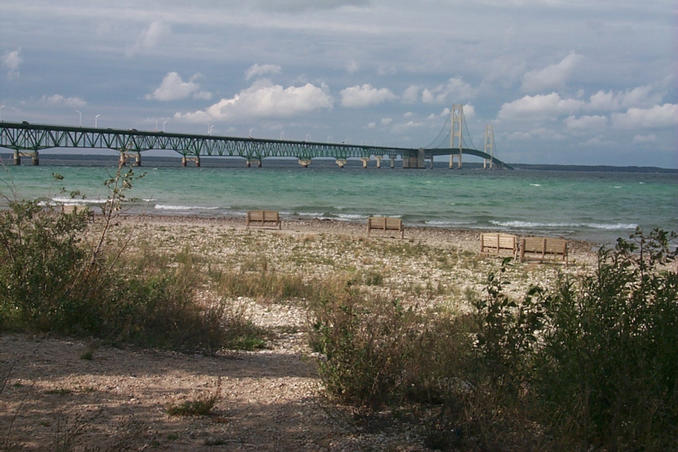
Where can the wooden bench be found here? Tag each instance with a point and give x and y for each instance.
(385, 224)
(73, 208)
(263, 218)
(543, 247)
(497, 242)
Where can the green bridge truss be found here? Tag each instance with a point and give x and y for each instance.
(22, 137)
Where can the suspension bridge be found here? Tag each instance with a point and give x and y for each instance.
(27, 140)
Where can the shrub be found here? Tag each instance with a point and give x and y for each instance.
(52, 281)
(608, 369)
(591, 362)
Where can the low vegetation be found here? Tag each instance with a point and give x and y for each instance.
(55, 280)
(590, 362)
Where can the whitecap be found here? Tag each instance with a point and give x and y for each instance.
(177, 207)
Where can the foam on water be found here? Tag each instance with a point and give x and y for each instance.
(182, 208)
(518, 224)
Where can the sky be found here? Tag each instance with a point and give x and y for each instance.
(561, 81)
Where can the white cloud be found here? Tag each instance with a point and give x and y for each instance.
(407, 125)
(469, 111)
(352, 67)
(173, 87)
(595, 122)
(257, 70)
(642, 139)
(12, 60)
(372, 125)
(149, 37)
(540, 132)
(365, 95)
(454, 90)
(58, 99)
(641, 96)
(411, 94)
(386, 121)
(654, 117)
(264, 100)
(539, 106)
(552, 76)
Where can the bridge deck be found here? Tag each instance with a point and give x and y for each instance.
(35, 137)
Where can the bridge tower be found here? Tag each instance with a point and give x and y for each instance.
(456, 131)
(489, 145)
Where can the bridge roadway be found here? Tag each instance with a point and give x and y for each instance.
(26, 140)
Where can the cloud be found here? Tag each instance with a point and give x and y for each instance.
(538, 133)
(264, 100)
(257, 70)
(173, 87)
(12, 60)
(360, 96)
(402, 127)
(454, 90)
(539, 106)
(641, 96)
(654, 117)
(386, 121)
(295, 6)
(58, 99)
(552, 76)
(411, 94)
(642, 139)
(469, 111)
(352, 67)
(586, 122)
(149, 37)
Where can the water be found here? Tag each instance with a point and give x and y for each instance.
(593, 205)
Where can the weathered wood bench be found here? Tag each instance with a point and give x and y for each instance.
(263, 219)
(385, 224)
(74, 208)
(498, 242)
(542, 248)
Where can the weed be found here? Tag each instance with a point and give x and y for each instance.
(202, 406)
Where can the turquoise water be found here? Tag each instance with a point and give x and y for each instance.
(598, 206)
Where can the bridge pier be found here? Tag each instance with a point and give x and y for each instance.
(256, 162)
(34, 155)
(414, 160)
(341, 163)
(378, 159)
(304, 162)
(452, 160)
(392, 162)
(365, 160)
(185, 160)
(124, 156)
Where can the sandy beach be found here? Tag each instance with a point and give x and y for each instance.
(270, 399)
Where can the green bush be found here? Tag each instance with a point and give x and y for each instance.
(42, 260)
(591, 362)
(51, 281)
(608, 367)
